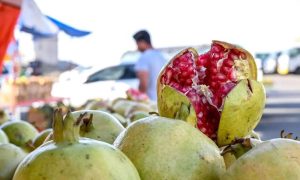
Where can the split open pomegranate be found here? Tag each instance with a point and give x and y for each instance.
(205, 80)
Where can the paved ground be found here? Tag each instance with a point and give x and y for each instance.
(283, 107)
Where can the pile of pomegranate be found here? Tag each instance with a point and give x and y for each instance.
(201, 128)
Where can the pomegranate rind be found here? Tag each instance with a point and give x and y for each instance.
(242, 111)
(169, 107)
(273, 159)
(250, 58)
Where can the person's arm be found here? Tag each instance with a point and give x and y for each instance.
(143, 77)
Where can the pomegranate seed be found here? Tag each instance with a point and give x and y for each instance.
(181, 80)
(176, 62)
(183, 66)
(221, 77)
(214, 70)
(228, 62)
(216, 48)
(243, 55)
(202, 59)
(190, 69)
(225, 88)
(200, 123)
(200, 115)
(188, 82)
(203, 129)
(184, 74)
(225, 69)
(169, 73)
(204, 100)
(222, 55)
(235, 51)
(233, 56)
(175, 85)
(215, 56)
(214, 85)
(183, 59)
(232, 76)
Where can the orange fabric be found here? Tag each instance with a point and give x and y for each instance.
(8, 19)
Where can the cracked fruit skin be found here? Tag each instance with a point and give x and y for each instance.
(10, 156)
(161, 148)
(70, 157)
(216, 92)
(19, 132)
(274, 159)
(102, 126)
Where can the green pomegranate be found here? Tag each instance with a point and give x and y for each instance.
(40, 138)
(161, 148)
(3, 117)
(138, 115)
(124, 121)
(139, 107)
(19, 132)
(120, 106)
(274, 159)
(97, 104)
(99, 125)
(10, 157)
(216, 92)
(3, 137)
(126, 107)
(70, 157)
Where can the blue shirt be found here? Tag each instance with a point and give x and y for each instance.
(151, 61)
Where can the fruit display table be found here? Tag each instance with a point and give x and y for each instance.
(25, 90)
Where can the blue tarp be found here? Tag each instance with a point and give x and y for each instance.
(33, 21)
(61, 26)
(68, 29)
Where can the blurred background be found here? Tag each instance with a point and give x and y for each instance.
(69, 52)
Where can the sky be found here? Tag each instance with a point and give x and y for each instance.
(257, 25)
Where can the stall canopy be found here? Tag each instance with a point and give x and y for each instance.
(31, 20)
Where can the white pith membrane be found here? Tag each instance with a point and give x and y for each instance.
(206, 80)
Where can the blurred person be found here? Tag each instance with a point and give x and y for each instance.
(149, 64)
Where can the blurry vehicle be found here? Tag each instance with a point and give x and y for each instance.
(268, 61)
(106, 83)
(289, 61)
(259, 69)
(73, 73)
(262, 56)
